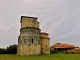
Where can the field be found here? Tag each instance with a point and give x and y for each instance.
(41, 57)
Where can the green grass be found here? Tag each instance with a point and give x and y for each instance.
(41, 57)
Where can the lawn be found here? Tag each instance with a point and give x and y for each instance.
(41, 57)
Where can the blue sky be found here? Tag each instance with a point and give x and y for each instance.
(59, 18)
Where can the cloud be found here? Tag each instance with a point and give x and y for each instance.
(60, 18)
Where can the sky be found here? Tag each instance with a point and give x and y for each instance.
(59, 18)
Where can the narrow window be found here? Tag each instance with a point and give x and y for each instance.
(38, 41)
(32, 40)
(46, 46)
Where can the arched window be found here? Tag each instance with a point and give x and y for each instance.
(38, 41)
(32, 40)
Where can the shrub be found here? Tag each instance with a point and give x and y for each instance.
(3, 51)
(72, 52)
(66, 52)
(51, 51)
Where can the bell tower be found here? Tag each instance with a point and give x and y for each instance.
(29, 39)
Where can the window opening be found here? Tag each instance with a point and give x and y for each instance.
(32, 40)
(46, 46)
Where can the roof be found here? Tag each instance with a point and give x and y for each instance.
(63, 46)
(27, 17)
(44, 33)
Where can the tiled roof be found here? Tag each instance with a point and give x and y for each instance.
(63, 46)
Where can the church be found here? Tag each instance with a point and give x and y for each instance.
(31, 40)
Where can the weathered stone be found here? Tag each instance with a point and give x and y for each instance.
(30, 41)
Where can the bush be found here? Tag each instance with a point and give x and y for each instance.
(66, 52)
(52, 51)
(3, 51)
(72, 52)
(12, 49)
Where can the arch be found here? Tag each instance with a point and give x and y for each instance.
(32, 40)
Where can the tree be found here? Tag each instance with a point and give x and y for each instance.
(12, 49)
(3, 51)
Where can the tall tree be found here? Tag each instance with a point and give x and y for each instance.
(12, 49)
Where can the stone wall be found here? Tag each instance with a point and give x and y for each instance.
(45, 43)
(30, 41)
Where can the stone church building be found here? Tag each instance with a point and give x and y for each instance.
(31, 40)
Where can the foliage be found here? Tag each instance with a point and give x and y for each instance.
(12, 49)
(51, 51)
(3, 51)
(66, 52)
(74, 51)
